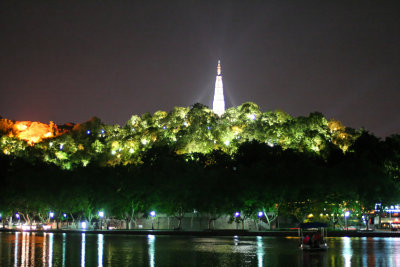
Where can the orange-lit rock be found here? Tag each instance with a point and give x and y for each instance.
(34, 132)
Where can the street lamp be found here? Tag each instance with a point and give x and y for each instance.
(17, 216)
(260, 214)
(51, 215)
(346, 215)
(152, 214)
(101, 215)
(237, 216)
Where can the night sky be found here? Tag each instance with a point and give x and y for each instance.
(69, 61)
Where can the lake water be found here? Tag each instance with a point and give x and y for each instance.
(74, 249)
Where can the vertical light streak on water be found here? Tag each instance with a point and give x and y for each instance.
(32, 243)
(347, 251)
(100, 246)
(23, 247)
(27, 243)
(364, 255)
(64, 244)
(396, 251)
(44, 249)
(83, 244)
(51, 243)
(260, 251)
(16, 250)
(151, 241)
(394, 245)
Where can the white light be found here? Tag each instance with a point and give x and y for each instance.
(46, 227)
(185, 123)
(51, 214)
(131, 150)
(227, 143)
(88, 132)
(61, 146)
(101, 214)
(252, 117)
(65, 215)
(51, 144)
(347, 214)
(152, 213)
(83, 225)
(260, 214)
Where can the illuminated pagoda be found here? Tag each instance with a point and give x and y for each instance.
(219, 101)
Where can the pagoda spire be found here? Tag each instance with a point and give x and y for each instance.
(219, 100)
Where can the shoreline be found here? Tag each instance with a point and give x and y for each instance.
(292, 233)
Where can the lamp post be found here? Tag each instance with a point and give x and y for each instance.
(237, 216)
(17, 216)
(65, 217)
(346, 215)
(260, 214)
(101, 216)
(152, 214)
(51, 215)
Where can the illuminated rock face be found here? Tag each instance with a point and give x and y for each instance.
(33, 132)
(219, 101)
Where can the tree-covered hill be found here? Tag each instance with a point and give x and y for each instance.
(185, 130)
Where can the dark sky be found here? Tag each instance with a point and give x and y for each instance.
(69, 61)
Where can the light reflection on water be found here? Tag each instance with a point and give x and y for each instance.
(83, 249)
(347, 252)
(48, 249)
(151, 242)
(16, 250)
(100, 247)
(64, 244)
(260, 251)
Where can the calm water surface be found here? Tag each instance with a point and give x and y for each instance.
(41, 249)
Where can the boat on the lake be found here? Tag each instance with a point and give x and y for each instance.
(313, 236)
